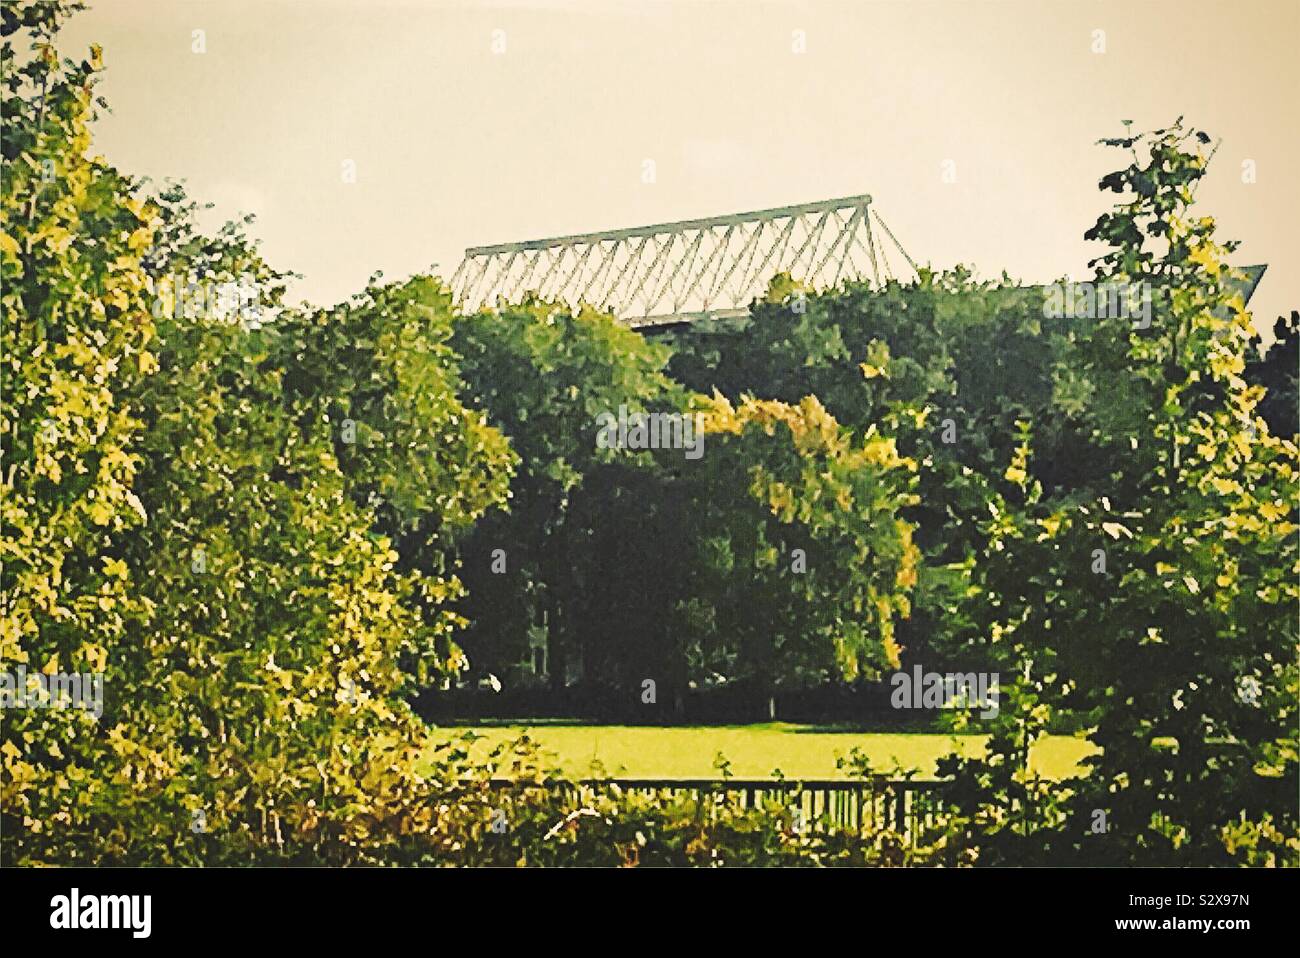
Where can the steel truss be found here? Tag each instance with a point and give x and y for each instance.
(677, 272)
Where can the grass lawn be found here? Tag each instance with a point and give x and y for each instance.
(799, 751)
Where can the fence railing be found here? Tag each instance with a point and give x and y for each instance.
(906, 806)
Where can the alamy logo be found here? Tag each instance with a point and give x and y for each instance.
(75, 911)
(182, 296)
(939, 690)
(659, 430)
(1087, 301)
(60, 690)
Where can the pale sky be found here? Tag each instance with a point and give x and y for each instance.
(456, 145)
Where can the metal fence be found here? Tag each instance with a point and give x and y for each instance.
(908, 807)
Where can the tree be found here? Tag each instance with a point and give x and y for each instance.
(1277, 369)
(952, 364)
(804, 576)
(76, 337)
(378, 378)
(177, 520)
(1179, 648)
(543, 375)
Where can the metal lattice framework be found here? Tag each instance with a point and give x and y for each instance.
(677, 272)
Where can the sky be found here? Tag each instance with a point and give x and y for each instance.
(972, 123)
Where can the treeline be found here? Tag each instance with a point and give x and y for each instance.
(268, 531)
(778, 554)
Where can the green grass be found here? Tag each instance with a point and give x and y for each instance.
(799, 751)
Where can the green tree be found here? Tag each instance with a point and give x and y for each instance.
(378, 378)
(178, 519)
(1277, 369)
(1164, 609)
(805, 560)
(946, 366)
(76, 337)
(543, 375)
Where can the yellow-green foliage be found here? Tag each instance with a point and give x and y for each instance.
(76, 336)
